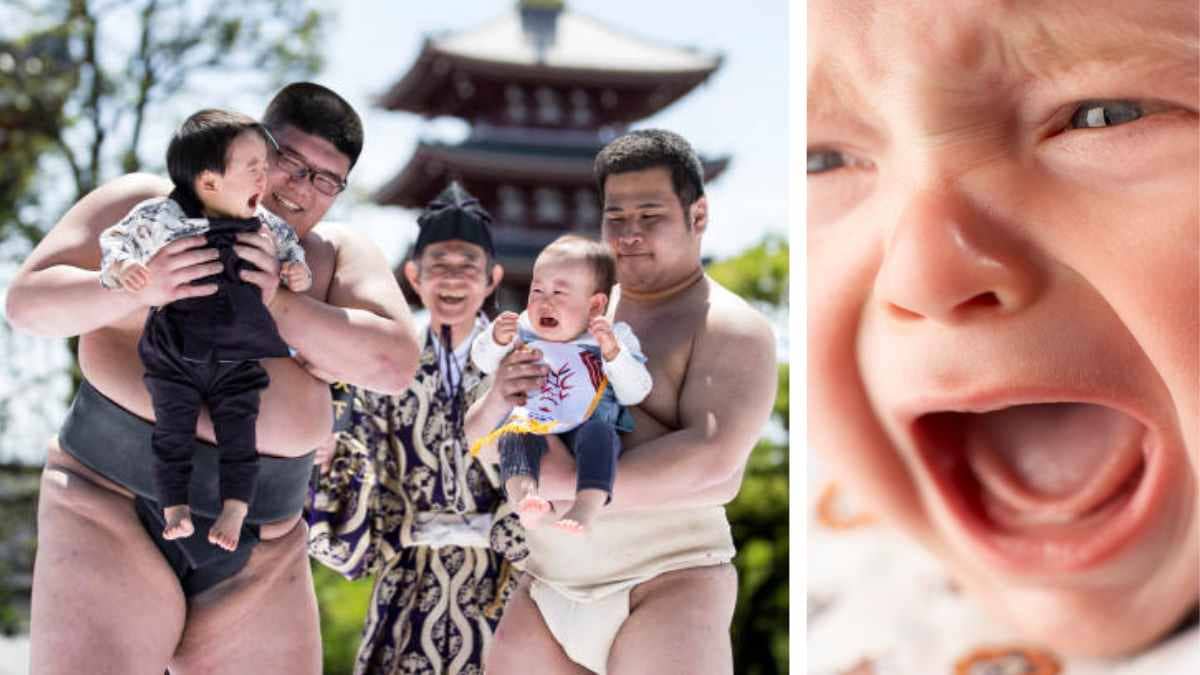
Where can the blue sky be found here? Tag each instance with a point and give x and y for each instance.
(741, 111)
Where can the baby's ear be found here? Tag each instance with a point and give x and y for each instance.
(597, 304)
(208, 183)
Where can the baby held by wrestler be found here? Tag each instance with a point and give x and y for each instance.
(595, 369)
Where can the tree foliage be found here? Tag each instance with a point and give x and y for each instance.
(759, 274)
(759, 515)
(82, 80)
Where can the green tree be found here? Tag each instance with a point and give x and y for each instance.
(81, 88)
(759, 515)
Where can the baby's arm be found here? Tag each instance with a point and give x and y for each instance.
(487, 351)
(294, 268)
(627, 370)
(126, 247)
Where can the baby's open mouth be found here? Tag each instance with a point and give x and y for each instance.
(1053, 477)
(547, 322)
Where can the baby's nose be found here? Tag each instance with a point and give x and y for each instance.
(947, 263)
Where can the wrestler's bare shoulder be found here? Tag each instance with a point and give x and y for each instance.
(729, 316)
(331, 237)
(334, 248)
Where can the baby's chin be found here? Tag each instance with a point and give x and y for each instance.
(1093, 623)
(1120, 611)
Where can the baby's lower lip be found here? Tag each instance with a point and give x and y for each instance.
(1029, 534)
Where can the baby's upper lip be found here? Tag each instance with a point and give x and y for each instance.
(990, 400)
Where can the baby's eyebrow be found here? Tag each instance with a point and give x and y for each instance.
(1053, 45)
(831, 91)
(1013, 49)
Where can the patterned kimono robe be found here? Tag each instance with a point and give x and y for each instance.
(402, 463)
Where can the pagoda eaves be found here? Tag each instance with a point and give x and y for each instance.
(587, 75)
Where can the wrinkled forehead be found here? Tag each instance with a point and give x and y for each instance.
(859, 48)
(249, 143)
(560, 264)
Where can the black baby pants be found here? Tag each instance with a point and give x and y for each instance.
(178, 387)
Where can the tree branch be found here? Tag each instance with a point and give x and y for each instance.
(95, 95)
(145, 84)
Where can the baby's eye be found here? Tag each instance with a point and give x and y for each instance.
(1099, 114)
(821, 161)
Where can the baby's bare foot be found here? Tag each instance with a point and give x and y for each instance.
(524, 499)
(532, 510)
(228, 529)
(179, 522)
(579, 518)
(533, 504)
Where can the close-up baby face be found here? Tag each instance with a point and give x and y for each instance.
(1003, 259)
(561, 297)
(244, 180)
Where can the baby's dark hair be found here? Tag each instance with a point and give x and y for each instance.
(649, 149)
(202, 144)
(597, 256)
(318, 111)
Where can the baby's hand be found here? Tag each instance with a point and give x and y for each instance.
(505, 328)
(297, 276)
(601, 328)
(133, 276)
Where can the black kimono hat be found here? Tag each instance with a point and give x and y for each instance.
(455, 215)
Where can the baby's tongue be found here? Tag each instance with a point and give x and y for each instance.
(1057, 460)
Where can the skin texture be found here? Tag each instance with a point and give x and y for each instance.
(136, 619)
(704, 347)
(989, 227)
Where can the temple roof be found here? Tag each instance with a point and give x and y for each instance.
(532, 47)
(491, 161)
(578, 43)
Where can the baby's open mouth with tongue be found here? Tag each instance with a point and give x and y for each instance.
(1051, 462)
(1038, 469)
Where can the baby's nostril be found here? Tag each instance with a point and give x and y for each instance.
(982, 301)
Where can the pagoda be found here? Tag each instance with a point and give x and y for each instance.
(543, 89)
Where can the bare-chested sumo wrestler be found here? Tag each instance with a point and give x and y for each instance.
(108, 595)
(650, 589)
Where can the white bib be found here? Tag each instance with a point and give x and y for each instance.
(573, 388)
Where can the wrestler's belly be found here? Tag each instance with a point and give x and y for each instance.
(57, 458)
(292, 415)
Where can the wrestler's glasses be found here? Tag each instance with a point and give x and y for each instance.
(324, 182)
